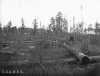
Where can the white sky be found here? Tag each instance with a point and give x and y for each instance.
(14, 10)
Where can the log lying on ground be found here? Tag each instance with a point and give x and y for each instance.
(79, 56)
(94, 59)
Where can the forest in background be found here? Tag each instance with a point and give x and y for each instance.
(58, 27)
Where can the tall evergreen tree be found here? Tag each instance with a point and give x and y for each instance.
(0, 27)
(7, 28)
(21, 29)
(65, 25)
(97, 27)
(35, 25)
(9, 25)
(23, 24)
(59, 20)
(52, 25)
(59, 23)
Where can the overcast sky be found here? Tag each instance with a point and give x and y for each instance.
(14, 10)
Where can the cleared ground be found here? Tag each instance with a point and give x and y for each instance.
(43, 60)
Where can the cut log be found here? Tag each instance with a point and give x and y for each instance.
(81, 57)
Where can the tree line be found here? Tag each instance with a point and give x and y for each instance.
(58, 24)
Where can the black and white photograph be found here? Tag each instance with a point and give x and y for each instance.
(49, 37)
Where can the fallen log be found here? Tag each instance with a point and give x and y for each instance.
(79, 56)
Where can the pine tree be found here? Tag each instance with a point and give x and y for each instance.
(52, 25)
(97, 28)
(59, 20)
(58, 24)
(65, 25)
(0, 27)
(21, 29)
(7, 28)
(9, 25)
(35, 25)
